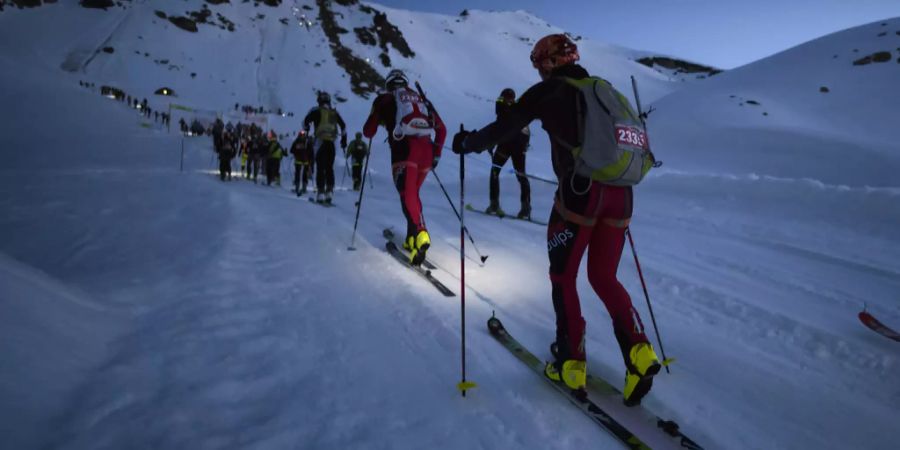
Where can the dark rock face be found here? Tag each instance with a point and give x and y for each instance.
(184, 23)
(364, 79)
(678, 65)
(824, 89)
(101, 4)
(878, 57)
(109, 49)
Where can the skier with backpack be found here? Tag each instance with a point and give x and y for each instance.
(357, 152)
(514, 148)
(599, 151)
(303, 161)
(326, 121)
(409, 119)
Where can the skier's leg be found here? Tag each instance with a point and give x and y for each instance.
(568, 234)
(357, 174)
(604, 254)
(418, 166)
(320, 167)
(297, 169)
(328, 151)
(498, 161)
(518, 161)
(401, 170)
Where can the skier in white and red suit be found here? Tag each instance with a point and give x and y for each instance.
(410, 121)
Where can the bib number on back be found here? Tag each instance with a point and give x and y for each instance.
(631, 136)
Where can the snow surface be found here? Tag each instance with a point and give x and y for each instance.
(143, 307)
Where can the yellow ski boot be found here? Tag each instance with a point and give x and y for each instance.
(420, 247)
(573, 373)
(639, 373)
(409, 243)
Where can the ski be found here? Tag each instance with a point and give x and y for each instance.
(403, 258)
(878, 327)
(388, 233)
(469, 207)
(601, 401)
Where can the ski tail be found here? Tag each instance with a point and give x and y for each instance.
(875, 325)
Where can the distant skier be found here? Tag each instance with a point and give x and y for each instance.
(326, 121)
(226, 153)
(409, 122)
(274, 154)
(357, 151)
(515, 148)
(245, 156)
(302, 149)
(588, 121)
(259, 146)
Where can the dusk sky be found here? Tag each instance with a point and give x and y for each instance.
(722, 33)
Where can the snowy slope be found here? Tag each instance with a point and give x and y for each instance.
(229, 315)
(845, 136)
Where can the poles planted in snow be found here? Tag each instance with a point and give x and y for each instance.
(359, 202)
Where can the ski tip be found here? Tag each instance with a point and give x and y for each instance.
(494, 325)
(484, 258)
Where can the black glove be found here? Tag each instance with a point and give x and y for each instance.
(458, 140)
(434, 163)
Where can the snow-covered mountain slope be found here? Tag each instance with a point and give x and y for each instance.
(277, 57)
(230, 315)
(808, 112)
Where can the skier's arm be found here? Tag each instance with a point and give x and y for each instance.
(516, 117)
(310, 119)
(371, 125)
(440, 133)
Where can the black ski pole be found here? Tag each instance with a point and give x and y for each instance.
(458, 216)
(362, 189)
(463, 385)
(662, 351)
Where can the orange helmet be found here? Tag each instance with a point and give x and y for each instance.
(552, 51)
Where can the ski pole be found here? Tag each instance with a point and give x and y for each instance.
(666, 361)
(359, 202)
(463, 385)
(642, 115)
(458, 216)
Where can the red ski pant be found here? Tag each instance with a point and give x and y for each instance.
(590, 216)
(412, 158)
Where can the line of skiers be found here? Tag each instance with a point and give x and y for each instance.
(310, 151)
(599, 151)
